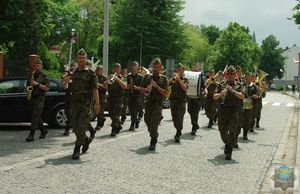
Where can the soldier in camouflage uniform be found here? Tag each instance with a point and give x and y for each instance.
(115, 98)
(251, 94)
(84, 86)
(210, 103)
(156, 86)
(125, 97)
(231, 94)
(40, 83)
(195, 104)
(178, 99)
(102, 95)
(135, 102)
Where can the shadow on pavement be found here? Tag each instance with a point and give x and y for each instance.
(208, 129)
(220, 160)
(260, 129)
(143, 151)
(63, 160)
(240, 140)
(169, 142)
(188, 136)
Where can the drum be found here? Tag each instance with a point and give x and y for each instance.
(194, 78)
(248, 104)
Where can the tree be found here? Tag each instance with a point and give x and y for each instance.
(211, 32)
(272, 61)
(234, 47)
(153, 25)
(198, 47)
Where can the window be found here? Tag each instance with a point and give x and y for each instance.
(11, 86)
(53, 86)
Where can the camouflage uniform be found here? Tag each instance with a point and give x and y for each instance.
(68, 98)
(257, 107)
(211, 104)
(125, 102)
(82, 87)
(36, 103)
(153, 107)
(115, 98)
(178, 99)
(135, 102)
(228, 114)
(102, 96)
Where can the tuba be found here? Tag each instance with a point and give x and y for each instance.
(260, 83)
(29, 88)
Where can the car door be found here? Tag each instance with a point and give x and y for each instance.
(11, 101)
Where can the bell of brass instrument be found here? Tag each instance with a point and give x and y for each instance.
(212, 80)
(144, 71)
(260, 83)
(29, 88)
(112, 79)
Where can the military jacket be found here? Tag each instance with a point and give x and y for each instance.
(83, 82)
(230, 99)
(154, 95)
(134, 80)
(41, 78)
(176, 90)
(211, 91)
(101, 80)
(250, 90)
(115, 90)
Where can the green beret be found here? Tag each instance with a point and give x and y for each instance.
(238, 68)
(81, 52)
(117, 65)
(231, 69)
(157, 61)
(135, 63)
(38, 61)
(248, 73)
(180, 65)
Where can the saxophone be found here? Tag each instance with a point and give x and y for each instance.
(29, 88)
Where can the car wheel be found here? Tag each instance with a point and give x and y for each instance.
(59, 117)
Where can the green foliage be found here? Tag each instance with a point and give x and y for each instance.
(272, 60)
(211, 32)
(197, 48)
(156, 23)
(234, 47)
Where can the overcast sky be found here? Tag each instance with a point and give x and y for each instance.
(265, 17)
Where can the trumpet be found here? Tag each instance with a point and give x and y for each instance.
(112, 79)
(212, 80)
(176, 75)
(29, 88)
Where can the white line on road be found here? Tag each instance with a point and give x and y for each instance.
(276, 104)
(290, 104)
(264, 103)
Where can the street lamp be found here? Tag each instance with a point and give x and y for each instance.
(106, 36)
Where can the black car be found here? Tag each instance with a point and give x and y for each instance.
(14, 106)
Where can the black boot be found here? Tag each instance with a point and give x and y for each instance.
(194, 130)
(228, 152)
(113, 132)
(92, 132)
(67, 131)
(152, 143)
(118, 129)
(257, 123)
(30, 137)
(86, 144)
(44, 132)
(137, 124)
(177, 137)
(251, 130)
(245, 135)
(131, 128)
(76, 153)
(210, 124)
(236, 145)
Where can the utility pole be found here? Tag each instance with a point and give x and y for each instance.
(106, 36)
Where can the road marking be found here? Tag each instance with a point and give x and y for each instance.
(264, 103)
(290, 104)
(276, 104)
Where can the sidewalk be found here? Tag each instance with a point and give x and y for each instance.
(297, 159)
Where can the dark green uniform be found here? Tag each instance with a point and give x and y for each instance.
(102, 96)
(194, 106)
(68, 98)
(257, 107)
(115, 98)
(37, 100)
(125, 102)
(211, 104)
(250, 90)
(178, 99)
(240, 115)
(153, 107)
(135, 102)
(228, 114)
(84, 82)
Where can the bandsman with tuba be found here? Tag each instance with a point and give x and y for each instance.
(37, 86)
(210, 104)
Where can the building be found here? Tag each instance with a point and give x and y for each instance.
(290, 67)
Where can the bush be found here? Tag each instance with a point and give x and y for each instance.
(279, 88)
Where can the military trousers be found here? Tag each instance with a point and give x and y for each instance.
(247, 118)
(36, 104)
(100, 116)
(80, 116)
(115, 110)
(227, 124)
(194, 105)
(178, 108)
(210, 108)
(135, 105)
(124, 106)
(152, 117)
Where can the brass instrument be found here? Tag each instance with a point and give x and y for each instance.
(144, 71)
(175, 76)
(212, 80)
(149, 89)
(29, 88)
(260, 83)
(112, 79)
